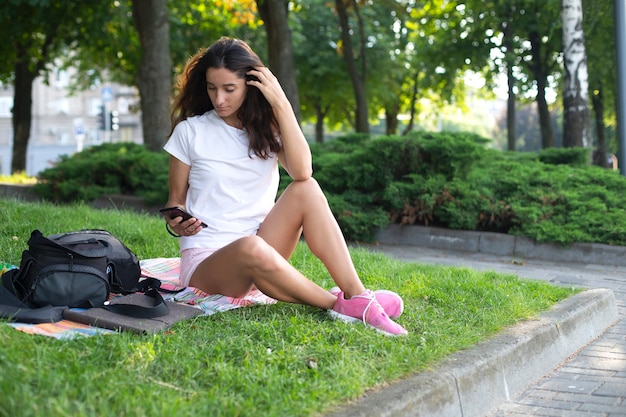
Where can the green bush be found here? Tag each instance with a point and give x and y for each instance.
(451, 180)
(358, 224)
(438, 179)
(549, 203)
(565, 156)
(112, 168)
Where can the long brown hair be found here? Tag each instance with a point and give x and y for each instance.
(255, 113)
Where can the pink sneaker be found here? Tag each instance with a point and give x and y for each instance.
(365, 308)
(392, 303)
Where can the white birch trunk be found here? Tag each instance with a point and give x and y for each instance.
(576, 82)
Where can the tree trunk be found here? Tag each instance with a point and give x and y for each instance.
(413, 105)
(547, 135)
(539, 73)
(391, 117)
(576, 82)
(320, 113)
(22, 110)
(154, 78)
(510, 110)
(358, 83)
(510, 77)
(280, 49)
(600, 155)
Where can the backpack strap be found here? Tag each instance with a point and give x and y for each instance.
(157, 308)
(149, 282)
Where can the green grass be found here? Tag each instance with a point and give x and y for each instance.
(273, 360)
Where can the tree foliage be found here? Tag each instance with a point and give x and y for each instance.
(390, 57)
(324, 86)
(599, 24)
(36, 33)
(438, 179)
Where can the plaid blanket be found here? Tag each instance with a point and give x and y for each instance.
(167, 271)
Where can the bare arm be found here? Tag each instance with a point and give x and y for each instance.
(178, 185)
(296, 154)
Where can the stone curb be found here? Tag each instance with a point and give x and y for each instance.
(476, 381)
(501, 245)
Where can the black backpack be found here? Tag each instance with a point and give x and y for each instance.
(75, 269)
(124, 266)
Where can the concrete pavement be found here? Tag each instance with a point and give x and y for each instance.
(570, 362)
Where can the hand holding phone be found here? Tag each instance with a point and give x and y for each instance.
(173, 212)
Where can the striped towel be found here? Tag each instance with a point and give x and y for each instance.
(167, 271)
(63, 329)
(5, 267)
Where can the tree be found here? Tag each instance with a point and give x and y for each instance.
(575, 83)
(35, 35)
(516, 37)
(274, 15)
(134, 44)
(382, 43)
(445, 45)
(322, 78)
(509, 22)
(195, 25)
(600, 48)
(357, 76)
(154, 76)
(539, 67)
(139, 39)
(388, 55)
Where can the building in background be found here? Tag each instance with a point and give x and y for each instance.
(64, 123)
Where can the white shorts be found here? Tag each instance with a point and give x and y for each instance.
(189, 261)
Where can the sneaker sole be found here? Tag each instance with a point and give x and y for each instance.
(350, 319)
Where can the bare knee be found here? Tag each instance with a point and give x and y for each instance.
(257, 255)
(306, 191)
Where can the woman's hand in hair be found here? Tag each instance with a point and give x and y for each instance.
(295, 156)
(263, 79)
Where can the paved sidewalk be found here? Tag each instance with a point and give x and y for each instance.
(591, 382)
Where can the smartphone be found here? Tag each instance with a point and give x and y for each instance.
(174, 212)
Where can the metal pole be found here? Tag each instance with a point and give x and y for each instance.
(620, 44)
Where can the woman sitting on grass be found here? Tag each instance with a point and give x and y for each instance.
(231, 125)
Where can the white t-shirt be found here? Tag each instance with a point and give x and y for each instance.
(230, 188)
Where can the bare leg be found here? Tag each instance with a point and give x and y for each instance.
(262, 260)
(235, 268)
(303, 208)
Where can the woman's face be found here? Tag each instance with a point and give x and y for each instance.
(227, 92)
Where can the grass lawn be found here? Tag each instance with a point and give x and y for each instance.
(273, 360)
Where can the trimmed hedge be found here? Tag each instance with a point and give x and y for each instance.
(112, 168)
(439, 179)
